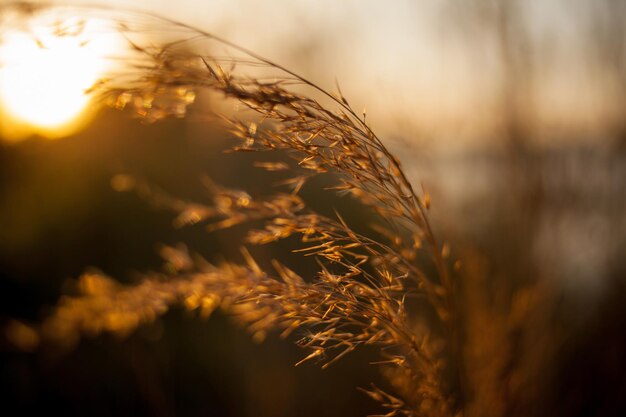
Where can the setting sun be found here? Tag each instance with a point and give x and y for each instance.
(44, 77)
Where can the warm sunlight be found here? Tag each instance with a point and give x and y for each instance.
(44, 76)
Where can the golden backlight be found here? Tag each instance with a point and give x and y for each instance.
(44, 76)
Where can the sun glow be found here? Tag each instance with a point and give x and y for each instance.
(45, 73)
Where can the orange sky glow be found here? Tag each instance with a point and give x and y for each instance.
(416, 69)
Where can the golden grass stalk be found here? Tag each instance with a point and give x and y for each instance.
(360, 293)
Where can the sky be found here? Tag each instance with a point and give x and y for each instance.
(431, 70)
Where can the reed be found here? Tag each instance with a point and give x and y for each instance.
(366, 281)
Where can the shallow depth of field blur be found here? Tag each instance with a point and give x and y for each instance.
(511, 113)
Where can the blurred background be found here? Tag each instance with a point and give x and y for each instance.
(511, 113)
